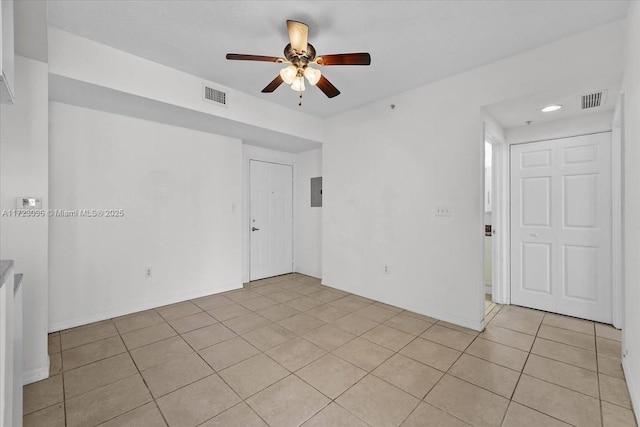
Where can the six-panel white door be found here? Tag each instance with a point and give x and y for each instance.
(561, 226)
(271, 227)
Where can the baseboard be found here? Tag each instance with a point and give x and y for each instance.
(633, 389)
(36, 374)
(315, 274)
(488, 289)
(122, 311)
(445, 317)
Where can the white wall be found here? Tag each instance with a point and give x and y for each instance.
(308, 220)
(385, 170)
(580, 125)
(24, 172)
(181, 193)
(631, 90)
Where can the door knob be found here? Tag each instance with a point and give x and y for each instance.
(255, 229)
(534, 234)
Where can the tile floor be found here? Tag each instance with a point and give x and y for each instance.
(287, 351)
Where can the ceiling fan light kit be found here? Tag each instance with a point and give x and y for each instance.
(299, 54)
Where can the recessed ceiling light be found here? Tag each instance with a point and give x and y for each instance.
(551, 108)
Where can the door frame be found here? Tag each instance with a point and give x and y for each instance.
(268, 156)
(502, 250)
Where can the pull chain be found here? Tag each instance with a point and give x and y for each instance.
(300, 102)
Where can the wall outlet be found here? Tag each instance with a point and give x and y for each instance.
(386, 269)
(148, 273)
(443, 211)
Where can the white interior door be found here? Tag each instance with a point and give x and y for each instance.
(561, 226)
(271, 226)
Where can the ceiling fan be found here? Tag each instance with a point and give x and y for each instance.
(300, 54)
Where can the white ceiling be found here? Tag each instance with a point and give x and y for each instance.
(411, 43)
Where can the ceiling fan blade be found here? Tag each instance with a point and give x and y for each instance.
(345, 59)
(273, 85)
(298, 35)
(243, 57)
(327, 88)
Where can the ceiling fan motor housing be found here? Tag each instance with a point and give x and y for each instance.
(300, 60)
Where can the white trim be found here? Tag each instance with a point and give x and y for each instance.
(634, 393)
(116, 312)
(36, 374)
(488, 289)
(269, 156)
(617, 234)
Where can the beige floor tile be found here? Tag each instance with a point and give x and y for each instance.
(148, 335)
(301, 323)
(508, 337)
(420, 316)
(615, 416)
(355, 324)
(283, 296)
(197, 402)
(611, 366)
(565, 353)
(176, 311)
(296, 353)
(53, 416)
(328, 337)
(458, 328)
(328, 313)
(190, 323)
(408, 324)
(289, 402)
(228, 311)
(565, 336)
(326, 295)
(517, 322)
(363, 353)
(331, 375)
(55, 364)
(268, 336)
(390, 338)
(448, 337)
(570, 323)
(608, 331)
(611, 348)
(89, 377)
(487, 375)
(228, 353)
(134, 321)
(159, 352)
(413, 377)
(107, 402)
(430, 353)
(146, 415)
(212, 301)
(246, 323)
(88, 334)
(252, 375)
(569, 376)
(208, 336)
(375, 313)
(559, 402)
(240, 415)
(89, 353)
(521, 416)
(335, 416)
(426, 415)
(268, 289)
(468, 402)
(509, 357)
(307, 289)
(388, 306)
(378, 403)
(614, 390)
(53, 341)
(42, 394)
(176, 373)
(278, 312)
(303, 303)
(242, 295)
(351, 303)
(258, 303)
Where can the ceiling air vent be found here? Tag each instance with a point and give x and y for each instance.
(214, 96)
(593, 100)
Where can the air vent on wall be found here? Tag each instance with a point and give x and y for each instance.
(214, 96)
(593, 100)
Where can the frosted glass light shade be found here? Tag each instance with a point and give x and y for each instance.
(312, 75)
(298, 84)
(288, 74)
